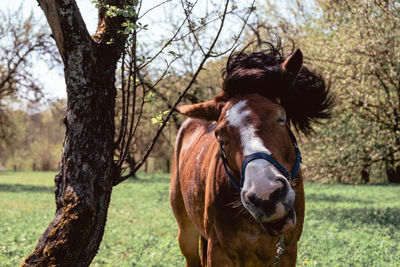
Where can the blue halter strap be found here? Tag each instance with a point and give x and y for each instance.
(289, 175)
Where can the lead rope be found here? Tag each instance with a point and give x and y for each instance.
(279, 251)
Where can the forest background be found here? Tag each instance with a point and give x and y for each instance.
(355, 45)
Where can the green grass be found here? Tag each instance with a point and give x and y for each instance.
(345, 225)
(349, 225)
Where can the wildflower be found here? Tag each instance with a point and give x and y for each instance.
(305, 262)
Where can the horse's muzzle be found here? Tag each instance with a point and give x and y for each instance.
(276, 212)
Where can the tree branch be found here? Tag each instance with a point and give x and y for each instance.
(65, 19)
(172, 110)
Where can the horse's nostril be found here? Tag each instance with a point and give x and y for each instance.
(252, 198)
(278, 194)
(265, 205)
(282, 181)
(282, 191)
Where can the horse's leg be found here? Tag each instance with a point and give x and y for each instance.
(188, 235)
(217, 257)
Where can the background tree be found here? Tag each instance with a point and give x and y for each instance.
(356, 46)
(22, 42)
(360, 51)
(37, 139)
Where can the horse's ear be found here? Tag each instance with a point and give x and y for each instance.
(292, 65)
(210, 110)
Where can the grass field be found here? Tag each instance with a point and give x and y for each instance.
(345, 225)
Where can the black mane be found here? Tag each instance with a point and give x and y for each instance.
(306, 99)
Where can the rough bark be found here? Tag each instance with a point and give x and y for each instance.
(84, 183)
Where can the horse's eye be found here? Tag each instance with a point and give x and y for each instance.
(221, 143)
(281, 120)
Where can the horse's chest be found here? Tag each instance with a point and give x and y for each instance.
(241, 235)
(253, 249)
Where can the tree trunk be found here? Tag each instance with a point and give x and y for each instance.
(365, 175)
(393, 175)
(392, 171)
(84, 183)
(168, 166)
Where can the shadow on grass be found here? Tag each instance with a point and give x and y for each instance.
(317, 197)
(150, 179)
(373, 216)
(25, 188)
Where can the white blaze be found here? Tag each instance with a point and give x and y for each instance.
(237, 117)
(260, 175)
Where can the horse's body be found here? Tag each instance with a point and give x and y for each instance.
(203, 201)
(237, 228)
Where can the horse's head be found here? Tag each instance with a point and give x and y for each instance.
(251, 122)
(258, 126)
(254, 124)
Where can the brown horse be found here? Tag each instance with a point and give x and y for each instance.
(234, 159)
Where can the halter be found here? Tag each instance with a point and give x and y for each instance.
(289, 175)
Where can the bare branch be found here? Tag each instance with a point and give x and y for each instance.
(154, 7)
(172, 110)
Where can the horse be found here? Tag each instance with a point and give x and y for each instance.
(237, 188)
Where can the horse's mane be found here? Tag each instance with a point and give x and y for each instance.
(306, 99)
